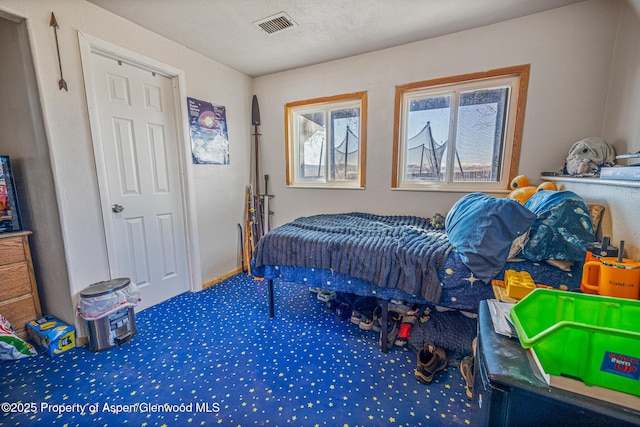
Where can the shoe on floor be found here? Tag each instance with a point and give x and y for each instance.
(365, 304)
(431, 360)
(325, 296)
(366, 324)
(377, 318)
(466, 369)
(377, 314)
(391, 336)
(392, 333)
(346, 297)
(426, 315)
(405, 328)
(343, 311)
(357, 317)
(330, 306)
(362, 318)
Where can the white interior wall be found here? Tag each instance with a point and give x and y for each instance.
(22, 137)
(570, 52)
(219, 190)
(621, 127)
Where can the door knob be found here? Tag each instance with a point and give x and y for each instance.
(117, 208)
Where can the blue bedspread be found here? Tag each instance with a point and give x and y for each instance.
(403, 253)
(457, 286)
(460, 290)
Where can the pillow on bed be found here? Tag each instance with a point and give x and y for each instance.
(563, 228)
(482, 228)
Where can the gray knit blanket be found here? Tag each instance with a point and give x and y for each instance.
(403, 252)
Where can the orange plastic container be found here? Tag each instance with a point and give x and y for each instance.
(615, 278)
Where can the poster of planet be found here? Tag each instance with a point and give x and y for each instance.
(208, 129)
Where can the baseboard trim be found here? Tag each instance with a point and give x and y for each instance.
(217, 280)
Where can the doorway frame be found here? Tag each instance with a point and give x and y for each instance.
(88, 46)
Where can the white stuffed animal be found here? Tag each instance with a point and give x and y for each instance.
(587, 155)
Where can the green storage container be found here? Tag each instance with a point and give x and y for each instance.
(590, 337)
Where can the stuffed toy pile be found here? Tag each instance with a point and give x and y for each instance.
(522, 190)
(588, 155)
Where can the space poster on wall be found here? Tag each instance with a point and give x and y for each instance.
(208, 129)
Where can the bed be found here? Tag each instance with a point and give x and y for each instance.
(406, 258)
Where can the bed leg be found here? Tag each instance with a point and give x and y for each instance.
(270, 298)
(384, 308)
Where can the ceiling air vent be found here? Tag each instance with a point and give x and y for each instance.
(273, 24)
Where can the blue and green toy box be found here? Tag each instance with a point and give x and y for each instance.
(51, 335)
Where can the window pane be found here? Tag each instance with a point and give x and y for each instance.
(460, 132)
(311, 131)
(479, 135)
(326, 141)
(427, 136)
(346, 144)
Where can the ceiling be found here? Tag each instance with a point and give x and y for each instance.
(224, 30)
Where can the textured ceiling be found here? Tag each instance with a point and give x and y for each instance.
(325, 30)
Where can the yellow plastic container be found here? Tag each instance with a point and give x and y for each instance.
(519, 284)
(591, 337)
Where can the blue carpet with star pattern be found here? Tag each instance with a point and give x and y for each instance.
(215, 358)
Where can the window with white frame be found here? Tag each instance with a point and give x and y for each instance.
(460, 133)
(326, 141)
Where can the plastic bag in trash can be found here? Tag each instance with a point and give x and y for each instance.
(100, 299)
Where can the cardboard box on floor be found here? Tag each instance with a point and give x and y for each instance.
(51, 335)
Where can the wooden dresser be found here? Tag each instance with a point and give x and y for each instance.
(19, 301)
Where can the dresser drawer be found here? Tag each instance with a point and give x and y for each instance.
(19, 311)
(12, 251)
(15, 280)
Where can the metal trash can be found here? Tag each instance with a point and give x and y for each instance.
(107, 307)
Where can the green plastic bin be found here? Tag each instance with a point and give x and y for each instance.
(590, 337)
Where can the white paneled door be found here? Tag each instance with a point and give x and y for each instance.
(141, 161)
